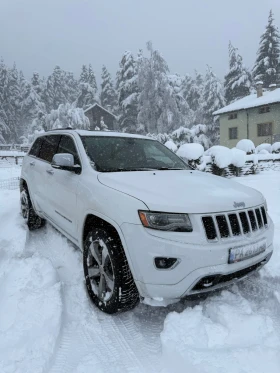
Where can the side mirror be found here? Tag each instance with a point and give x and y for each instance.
(65, 161)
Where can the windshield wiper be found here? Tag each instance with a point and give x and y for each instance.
(170, 168)
(130, 169)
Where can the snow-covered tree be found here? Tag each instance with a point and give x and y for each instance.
(267, 67)
(54, 93)
(84, 75)
(237, 82)
(108, 96)
(158, 111)
(176, 81)
(127, 86)
(4, 129)
(70, 85)
(87, 88)
(213, 99)
(67, 115)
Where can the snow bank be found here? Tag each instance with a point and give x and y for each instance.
(221, 155)
(224, 335)
(261, 147)
(170, 145)
(246, 145)
(275, 148)
(190, 151)
(30, 314)
(238, 157)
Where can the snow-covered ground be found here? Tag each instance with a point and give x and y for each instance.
(47, 323)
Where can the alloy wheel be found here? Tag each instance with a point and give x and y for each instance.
(100, 270)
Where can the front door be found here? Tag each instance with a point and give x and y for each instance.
(62, 190)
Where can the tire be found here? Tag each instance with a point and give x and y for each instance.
(108, 278)
(33, 221)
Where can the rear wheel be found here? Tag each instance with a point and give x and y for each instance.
(32, 219)
(109, 281)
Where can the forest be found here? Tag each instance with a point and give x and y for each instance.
(144, 95)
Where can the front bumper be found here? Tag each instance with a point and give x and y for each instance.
(197, 259)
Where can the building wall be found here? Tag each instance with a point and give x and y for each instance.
(254, 118)
(94, 115)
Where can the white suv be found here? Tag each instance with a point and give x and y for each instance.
(148, 226)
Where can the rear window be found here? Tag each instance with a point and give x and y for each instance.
(35, 149)
(49, 147)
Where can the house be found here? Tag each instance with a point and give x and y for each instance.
(96, 114)
(255, 117)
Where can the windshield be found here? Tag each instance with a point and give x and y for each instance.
(116, 154)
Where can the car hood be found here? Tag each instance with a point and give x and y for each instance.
(183, 190)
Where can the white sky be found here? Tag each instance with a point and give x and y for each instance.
(38, 34)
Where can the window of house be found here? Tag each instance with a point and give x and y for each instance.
(233, 133)
(232, 116)
(265, 129)
(264, 109)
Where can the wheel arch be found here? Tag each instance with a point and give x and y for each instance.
(22, 184)
(92, 219)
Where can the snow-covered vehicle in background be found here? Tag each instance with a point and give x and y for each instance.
(148, 226)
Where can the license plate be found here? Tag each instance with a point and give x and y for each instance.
(238, 254)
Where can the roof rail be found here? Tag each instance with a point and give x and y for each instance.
(58, 129)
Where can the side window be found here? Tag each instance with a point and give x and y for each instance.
(49, 147)
(67, 145)
(36, 147)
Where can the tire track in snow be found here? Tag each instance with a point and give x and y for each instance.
(114, 343)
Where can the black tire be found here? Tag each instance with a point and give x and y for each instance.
(121, 292)
(33, 221)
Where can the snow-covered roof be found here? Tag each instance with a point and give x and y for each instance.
(101, 107)
(269, 97)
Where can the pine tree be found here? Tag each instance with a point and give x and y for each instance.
(127, 86)
(158, 108)
(91, 79)
(177, 83)
(87, 94)
(213, 99)
(70, 87)
(267, 67)
(237, 82)
(54, 93)
(84, 75)
(108, 97)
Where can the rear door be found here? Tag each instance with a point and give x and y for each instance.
(62, 190)
(44, 170)
(31, 168)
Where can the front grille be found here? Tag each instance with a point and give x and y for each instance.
(234, 224)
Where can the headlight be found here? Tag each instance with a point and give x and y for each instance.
(166, 221)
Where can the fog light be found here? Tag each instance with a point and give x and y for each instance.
(165, 263)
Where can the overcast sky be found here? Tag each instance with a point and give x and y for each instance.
(39, 34)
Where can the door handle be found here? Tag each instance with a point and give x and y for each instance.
(32, 163)
(51, 172)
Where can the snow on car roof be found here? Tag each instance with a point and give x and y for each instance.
(98, 133)
(269, 97)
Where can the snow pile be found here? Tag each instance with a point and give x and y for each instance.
(261, 147)
(246, 145)
(263, 151)
(221, 155)
(30, 314)
(275, 148)
(170, 145)
(224, 335)
(238, 157)
(190, 151)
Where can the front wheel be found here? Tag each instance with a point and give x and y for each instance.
(109, 281)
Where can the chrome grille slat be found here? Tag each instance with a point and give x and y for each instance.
(234, 223)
